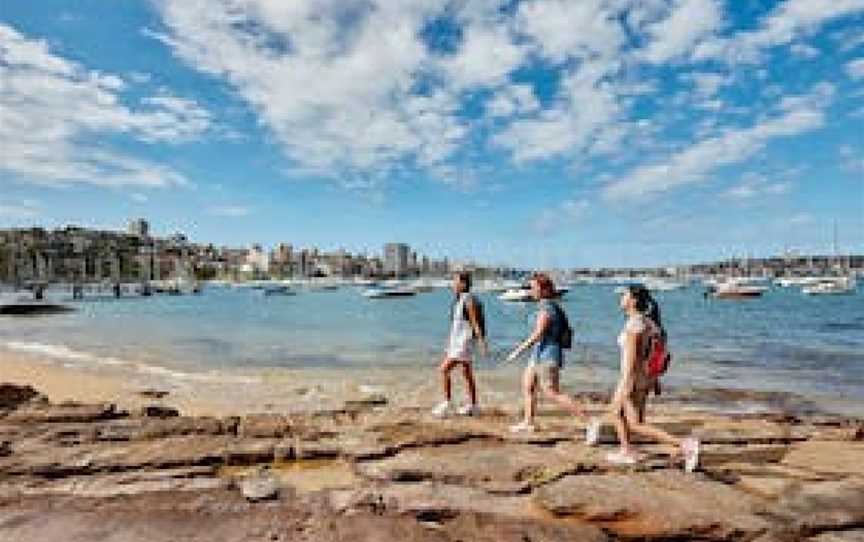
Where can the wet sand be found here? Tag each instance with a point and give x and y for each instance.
(241, 392)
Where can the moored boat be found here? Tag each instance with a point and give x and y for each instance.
(385, 292)
(832, 286)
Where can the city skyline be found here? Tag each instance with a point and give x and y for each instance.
(535, 134)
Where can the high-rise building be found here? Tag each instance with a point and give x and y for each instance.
(139, 227)
(396, 258)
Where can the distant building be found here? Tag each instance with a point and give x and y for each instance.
(396, 259)
(139, 228)
(257, 260)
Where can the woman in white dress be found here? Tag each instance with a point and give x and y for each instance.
(634, 384)
(466, 327)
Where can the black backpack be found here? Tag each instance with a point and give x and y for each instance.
(566, 337)
(481, 317)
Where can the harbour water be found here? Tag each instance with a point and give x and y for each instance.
(783, 341)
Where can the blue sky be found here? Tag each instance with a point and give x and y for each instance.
(534, 133)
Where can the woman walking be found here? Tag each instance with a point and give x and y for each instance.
(466, 326)
(634, 384)
(547, 356)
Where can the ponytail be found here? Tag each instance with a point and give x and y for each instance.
(646, 304)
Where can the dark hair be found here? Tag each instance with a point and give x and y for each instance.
(547, 287)
(645, 303)
(465, 278)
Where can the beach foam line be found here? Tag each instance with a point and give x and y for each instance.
(62, 353)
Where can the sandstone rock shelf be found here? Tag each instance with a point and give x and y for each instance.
(378, 471)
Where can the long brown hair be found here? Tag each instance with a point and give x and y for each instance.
(544, 284)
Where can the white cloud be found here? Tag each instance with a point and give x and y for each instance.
(802, 50)
(50, 108)
(335, 81)
(351, 86)
(563, 28)
(230, 211)
(855, 68)
(755, 186)
(783, 25)
(688, 22)
(585, 112)
(797, 115)
(512, 100)
(487, 55)
(707, 84)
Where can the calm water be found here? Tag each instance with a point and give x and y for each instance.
(785, 340)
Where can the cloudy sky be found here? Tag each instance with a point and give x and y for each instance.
(537, 132)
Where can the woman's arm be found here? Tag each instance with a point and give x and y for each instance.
(540, 327)
(474, 319)
(627, 382)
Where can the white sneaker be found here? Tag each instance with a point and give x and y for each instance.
(468, 410)
(522, 427)
(442, 410)
(592, 432)
(690, 448)
(620, 458)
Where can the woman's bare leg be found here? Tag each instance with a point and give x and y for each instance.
(631, 419)
(552, 390)
(468, 373)
(529, 393)
(621, 428)
(447, 365)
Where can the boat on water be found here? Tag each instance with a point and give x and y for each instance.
(663, 285)
(20, 304)
(277, 290)
(738, 291)
(387, 291)
(736, 288)
(791, 282)
(422, 285)
(831, 286)
(523, 294)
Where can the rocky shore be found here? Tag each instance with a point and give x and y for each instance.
(371, 470)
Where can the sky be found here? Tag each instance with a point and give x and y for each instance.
(533, 133)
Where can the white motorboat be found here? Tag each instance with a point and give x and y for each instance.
(832, 286)
(737, 289)
(517, 294)
(523, 294)
(385, 292)
(789, 282)
(663, 285)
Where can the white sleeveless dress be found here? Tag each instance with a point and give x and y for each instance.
(461, 340)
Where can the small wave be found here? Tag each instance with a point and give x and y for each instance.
(61, 352)
(72, 357)
(212, 376)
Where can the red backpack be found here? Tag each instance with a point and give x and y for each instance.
(658, 356)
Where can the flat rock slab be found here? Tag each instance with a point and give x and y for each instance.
(665, 504)
(840, 536)
(820, 506)
(746, 432)
(64, 413)
(492, 466)
(840, 458)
